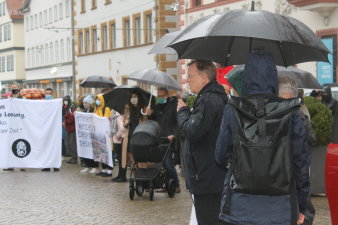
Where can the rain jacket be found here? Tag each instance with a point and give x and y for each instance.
(102, 110)
(200, 128)
(260, 77)
(68, 115)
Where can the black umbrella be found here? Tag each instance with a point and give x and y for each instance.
(229, 37)
(97, 82)
(120, 96)
(303, 78)
(161, 46)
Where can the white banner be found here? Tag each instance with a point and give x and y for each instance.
(30, 133)
(93, 137)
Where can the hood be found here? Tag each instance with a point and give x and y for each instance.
(260, 75)
(89, 99)
(215, 87)
(327, 95)
(101, 98)
(67, 97)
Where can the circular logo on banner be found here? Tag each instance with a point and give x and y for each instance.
(21, 148)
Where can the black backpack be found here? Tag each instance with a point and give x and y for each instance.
(262, 156)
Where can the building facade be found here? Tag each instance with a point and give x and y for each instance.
(113, 38)
(48, 45)
(11, 44)
(320, 15)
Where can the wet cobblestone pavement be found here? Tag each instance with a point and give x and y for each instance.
(68, 197)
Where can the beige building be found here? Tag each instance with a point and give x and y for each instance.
(12, 61)
(114, 37)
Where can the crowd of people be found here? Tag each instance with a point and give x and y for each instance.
(228, 168)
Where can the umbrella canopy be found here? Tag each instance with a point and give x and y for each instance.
(154, 77)
(303, 78)
(120, 96)
(229, 37)
(161, 46)
(97, 82)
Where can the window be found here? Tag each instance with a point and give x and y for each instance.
(45, 17)
(9, 31)
(126, 32)
(4, 8)
(33, 56)
(50, 15)
(80, 41)
(56, 51)
(104, 36)
(31, 23)
(87, 41)
(62, 51)
(94, 4)
(0, 15)
(3, 64)
(5, 32)
(112, 34)
(1, 34)
(40, 19)
(148, 32)
(67, 8)
(137, 29)
(37, 54)
(46, 54)
(83, 6)
(51, 53)
(68, 49)
(94, 39)
(27, 23)
(196, 3)
(36, 21)
(61, 11)
(56, 13)
(27, 58)
(42, 55)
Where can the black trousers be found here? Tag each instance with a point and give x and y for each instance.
(207, 207)
(122, 171)
(90, 163)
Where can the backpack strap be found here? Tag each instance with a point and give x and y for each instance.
(260, 114)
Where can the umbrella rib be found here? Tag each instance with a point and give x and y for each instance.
(229, 50)
(282, 54)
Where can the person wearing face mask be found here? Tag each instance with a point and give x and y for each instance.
(132, 118)
(165, 114)
(69, 123)
(15, 87)
(103, 111)
(328, 100)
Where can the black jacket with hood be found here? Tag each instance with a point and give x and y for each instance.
(200, 127)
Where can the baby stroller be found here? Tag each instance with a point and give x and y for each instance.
(148, 147)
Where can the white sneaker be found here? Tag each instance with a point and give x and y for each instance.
(94, 170)
(85, 170)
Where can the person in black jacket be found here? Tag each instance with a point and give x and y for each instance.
(200, 127)
(165, 114)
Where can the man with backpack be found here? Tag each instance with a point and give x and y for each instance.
(200, 126)
(262, 145)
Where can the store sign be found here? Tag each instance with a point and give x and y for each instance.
(325, 70)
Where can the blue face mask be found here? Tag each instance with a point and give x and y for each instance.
(98, 102)
(161, 100)
(48, 97)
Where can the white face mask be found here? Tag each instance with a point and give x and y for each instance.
(65, 102)
(134, 101)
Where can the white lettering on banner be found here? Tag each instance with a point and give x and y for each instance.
(93, 141)
(30, 133)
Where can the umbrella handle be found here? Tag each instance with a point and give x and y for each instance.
(149, 104)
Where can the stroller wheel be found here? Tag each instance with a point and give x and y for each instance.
(139, 190)
(171, 188)
(151, 193)
(131, 193)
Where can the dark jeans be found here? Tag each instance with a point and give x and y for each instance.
(122, 171)
(90, 163)
(169, 166)
(70, 142)
(207, 207)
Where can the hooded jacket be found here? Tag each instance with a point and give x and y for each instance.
(102, 110)
(260, 77)
(68, 115)
(200, 127)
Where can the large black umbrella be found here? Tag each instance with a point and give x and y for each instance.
(97, 82)
(229, 37)
(154, 77)
(161, 46)
(120, 96)
(303, 78)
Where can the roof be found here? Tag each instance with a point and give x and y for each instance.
(13, 8)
